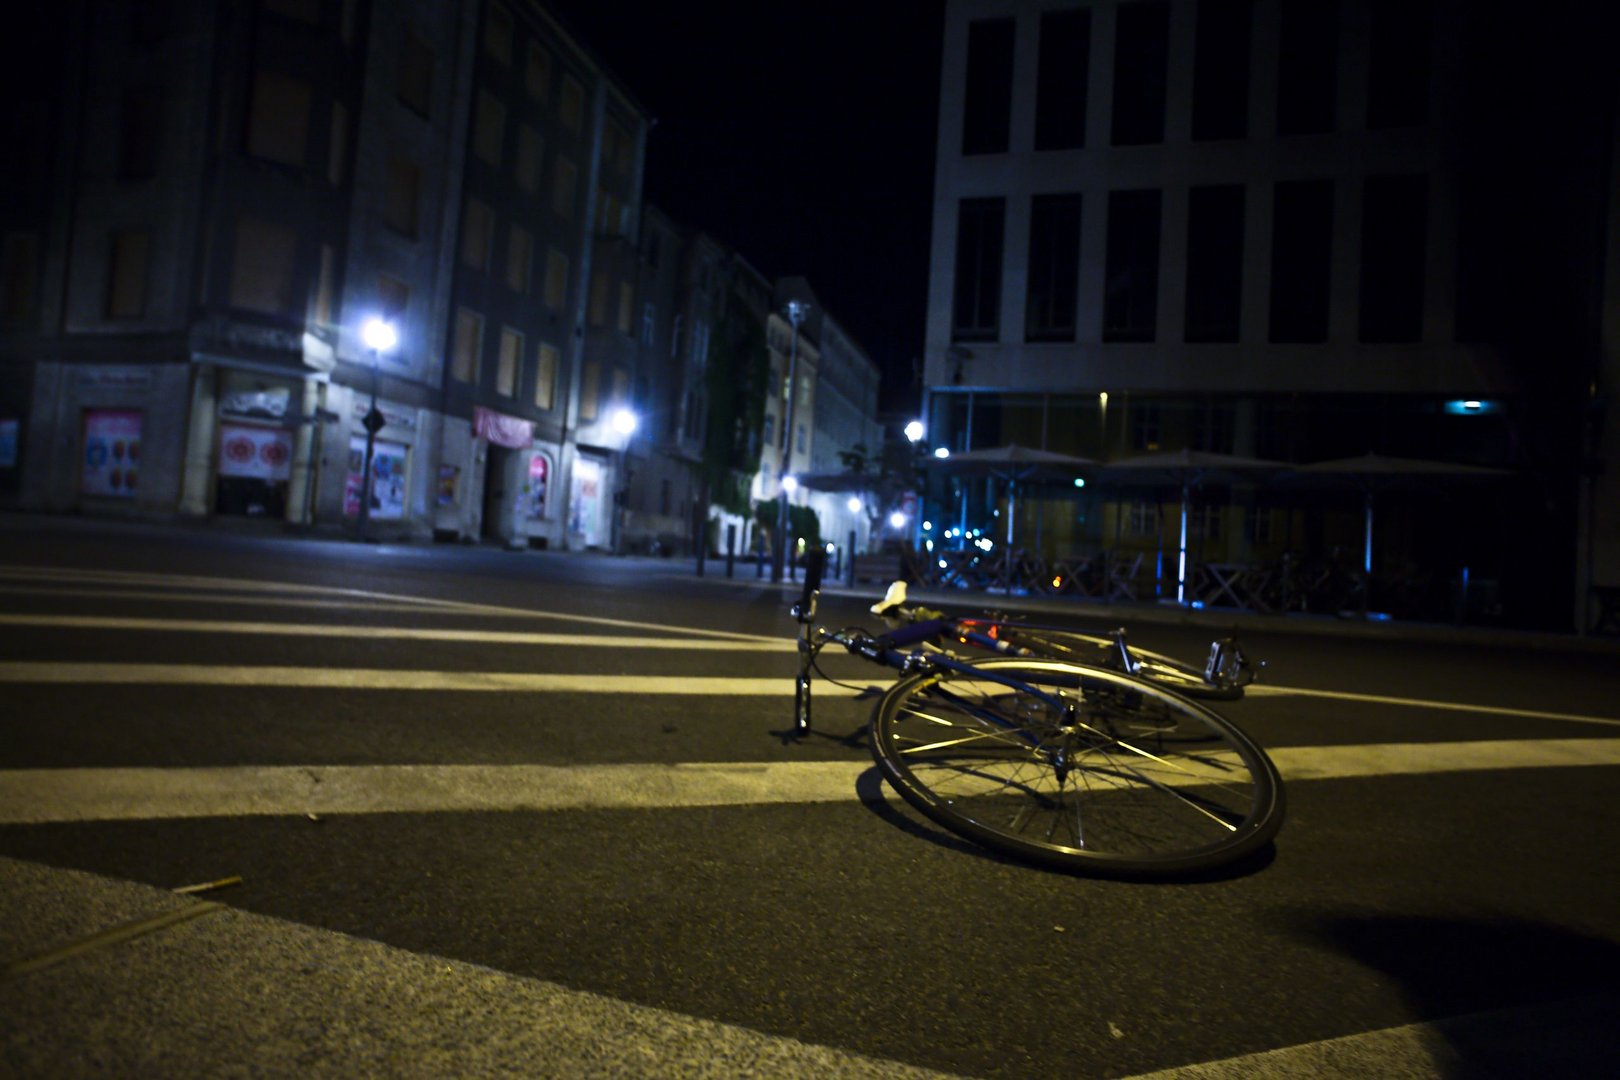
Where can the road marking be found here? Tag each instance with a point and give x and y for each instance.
(1423, 703)
(412, 633)
(390, 679)
(428, 603)
(36, 796)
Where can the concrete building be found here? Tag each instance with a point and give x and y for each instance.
(1294, 231)
(216, 197)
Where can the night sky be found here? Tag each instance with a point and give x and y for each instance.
(800, 135)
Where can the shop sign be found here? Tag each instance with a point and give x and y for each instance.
(502, 430)
(8, 444)
(258, 452)
(113, 378)
(112, 453)
(268, 403)
(535, 493)
(388, 479)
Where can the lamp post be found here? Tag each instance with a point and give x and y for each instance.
(379, 337)
(624, 423)
(796, 311)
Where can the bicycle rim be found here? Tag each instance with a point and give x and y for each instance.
(1077, 767)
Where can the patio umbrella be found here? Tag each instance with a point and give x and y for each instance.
(1012, 463)
(1187, 469)
(1375, 472)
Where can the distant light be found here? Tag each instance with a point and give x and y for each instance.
(1079, 481)
(790, 484)
(929, 544)
(625, 422)
(829, 547)
(897, 520)
(928, 526)
(914, 430)
(854, 504)
(1472, 407)
(1057, 582)
(379, 335)
(941, 452)
(942, 564)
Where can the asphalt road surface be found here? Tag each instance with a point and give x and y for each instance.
(540, 813)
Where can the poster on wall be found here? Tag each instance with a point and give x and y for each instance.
(585, 508)
(539, 475)
(449, 476)
(112, 453)
(388, 460)
(257, 453)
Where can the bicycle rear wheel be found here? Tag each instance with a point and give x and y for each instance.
(1076, 767)
(1166, 671)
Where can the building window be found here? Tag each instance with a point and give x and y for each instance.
(140, 134)
(1141, 67)
(1054, 268)
(490, 130)
(1307, 67)
(1060, 91)
(563, 190)
(627, 303)
(987, 111)
(590, 390)
(393, 297)
(498, 33)
(127, 273)
(506, 368)
(1301, 260)
(537, 72)
(1147, 427)
(530, 152)
(337, 145)
(278, 118)
(326, 287)
(477, 234)
(1394, 223)
(1142, 518)
(545, 377)
(415, 87)
(1213, 429)
(596, 310)
(618, 151)
(262, 270)
(1131, 281)
(1398, 63)
(519, 258)
(1221, 69)
(976, 311)
(571, 105)
(401, 195)
(468, 344)
(649, 324)
(1214, 263)
(556, 279)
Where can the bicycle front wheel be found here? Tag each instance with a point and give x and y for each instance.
(1077, 767)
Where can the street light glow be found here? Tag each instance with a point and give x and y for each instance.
(790, 484)
(625, 422)
(854, 504)
(379, 335)
(897, 520)
(941, 452)
(914, 430)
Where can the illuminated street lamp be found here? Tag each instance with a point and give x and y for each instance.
(625, 422)
(914, 431)
(379, 337)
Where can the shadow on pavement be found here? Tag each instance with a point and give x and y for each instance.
(1474, 978)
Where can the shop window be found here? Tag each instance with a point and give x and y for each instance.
(278, 118)
(389, 472)
(468, 343)
(1063, 70)
(127, 273)
(545, 377)
(253, 470)
(262, 270)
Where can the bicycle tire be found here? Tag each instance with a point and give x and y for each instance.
(1166, 671)
(1129, 780)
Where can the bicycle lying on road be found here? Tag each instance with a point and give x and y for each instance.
(1088, 757)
